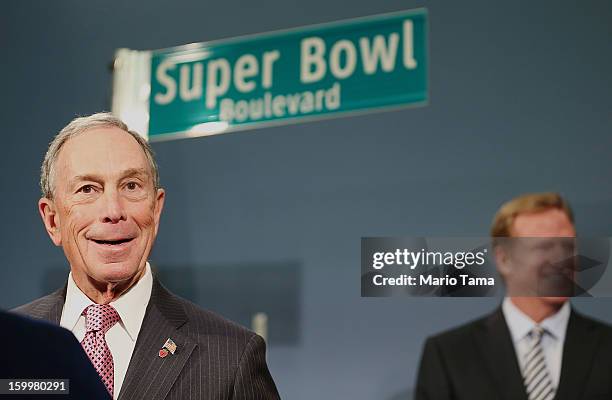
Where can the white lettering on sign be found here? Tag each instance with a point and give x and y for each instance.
(371, 53)
(195, 92)
(268, 61)
(409, 61)
(313, 63)
(348, 48)
(165, 80)
(211, 80)
(246, 67)
(217, 80)
(280, 105)
(312, 52)
(219, 77)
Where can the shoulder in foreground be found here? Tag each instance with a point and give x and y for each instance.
(25, 327)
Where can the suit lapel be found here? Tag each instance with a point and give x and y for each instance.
(497, 350)
(150, 376)
(50, 307)
(581, 341)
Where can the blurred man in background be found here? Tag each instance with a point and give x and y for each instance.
(102, 204)
(535, 346)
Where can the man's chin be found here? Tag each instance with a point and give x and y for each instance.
(116, 272)
(555, 299)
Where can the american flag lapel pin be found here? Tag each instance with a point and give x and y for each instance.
(168, 347)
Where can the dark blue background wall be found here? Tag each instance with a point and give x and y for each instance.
(271, 219)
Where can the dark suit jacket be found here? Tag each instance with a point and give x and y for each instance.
(215, 358)
(478, 361)
(38, 350)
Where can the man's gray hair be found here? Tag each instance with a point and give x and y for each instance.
(78, 126)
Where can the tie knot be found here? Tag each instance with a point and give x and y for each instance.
(100, 317)
(537, 332)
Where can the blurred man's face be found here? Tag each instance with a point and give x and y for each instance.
(105, 211)
(541, 262)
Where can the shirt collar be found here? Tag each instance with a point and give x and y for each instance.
(131, 305)
(520, 324)
(75, 303)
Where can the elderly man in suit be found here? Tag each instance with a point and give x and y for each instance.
(102, 203)
(535, 346)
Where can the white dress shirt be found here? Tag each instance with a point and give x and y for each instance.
(554, 326)
(121, 337)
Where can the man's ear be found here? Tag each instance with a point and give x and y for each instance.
(48, 213)
(160, 197)
(502, 260)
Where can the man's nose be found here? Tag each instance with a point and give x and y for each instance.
(112, 209)
(562, 254)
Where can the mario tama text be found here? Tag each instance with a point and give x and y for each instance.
(432, 281)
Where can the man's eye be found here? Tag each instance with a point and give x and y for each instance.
(87, 189)
(132, 185)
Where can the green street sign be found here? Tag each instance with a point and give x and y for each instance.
(353, 66)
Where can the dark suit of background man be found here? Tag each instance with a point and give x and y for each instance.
(531, 347)
(102, 203)
(39, 350)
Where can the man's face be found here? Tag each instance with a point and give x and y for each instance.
(105, 211)
(540, 261)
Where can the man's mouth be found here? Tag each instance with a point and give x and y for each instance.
(112, 242)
